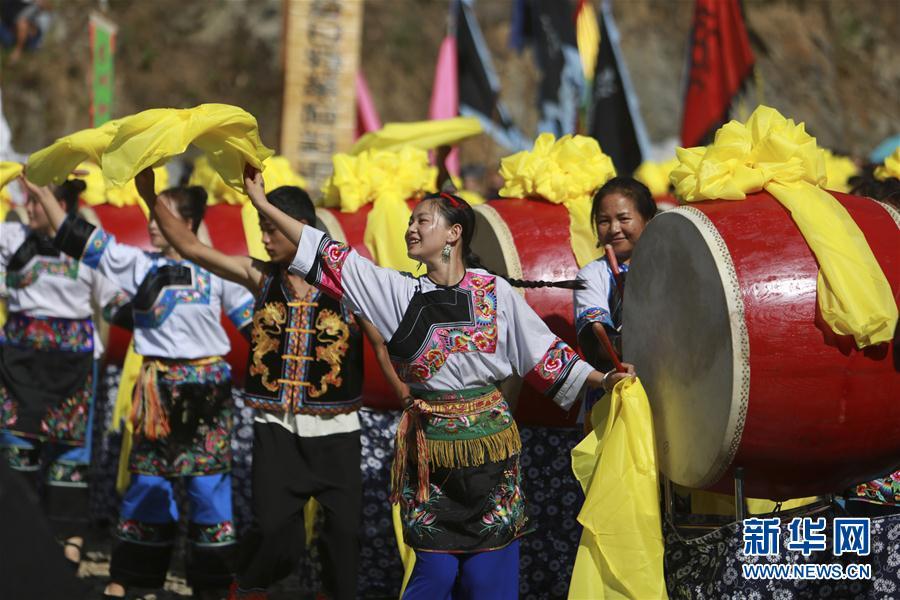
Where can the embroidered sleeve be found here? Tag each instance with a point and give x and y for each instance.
(237, 302)
(380, 295)
(124, 265)
(107, 296)
(592, 303)
(546, 362)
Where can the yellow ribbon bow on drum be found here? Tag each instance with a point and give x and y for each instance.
(54, 163)
(620, 554)
(227, 134)
(890, 168)
(773, 153)
(566, 171)
(655, 175)
(388, 179)
(838, 171)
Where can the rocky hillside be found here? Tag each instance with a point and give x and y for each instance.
(834, 64)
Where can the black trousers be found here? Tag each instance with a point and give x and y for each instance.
(288, 470)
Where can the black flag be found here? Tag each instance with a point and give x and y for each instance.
(479, 86)
(614, 118)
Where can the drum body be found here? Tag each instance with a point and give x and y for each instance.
(721, 322)
(529, 239)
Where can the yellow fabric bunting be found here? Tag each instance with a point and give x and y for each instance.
(387, 179)
(890, 168)
(655, 175)
(277, 172)
(54, 163)
(838, 170)
(566, 171)
(424, 135)
(227, 134)
(620, 554)
(773, 153)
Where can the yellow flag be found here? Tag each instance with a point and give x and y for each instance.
(54, 163)
(424, 135)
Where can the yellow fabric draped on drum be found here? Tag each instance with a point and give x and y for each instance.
(890, 168)
(54, 163)
(566, 171)
(423, 135)
(620, 554)
(227, 134)
(387, 179)
(773, 153)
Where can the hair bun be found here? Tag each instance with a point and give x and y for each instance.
(198, 194)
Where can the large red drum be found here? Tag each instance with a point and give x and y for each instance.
(721, 322)
(529, 239)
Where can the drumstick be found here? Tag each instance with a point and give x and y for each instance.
(614, 266)
(604, 339)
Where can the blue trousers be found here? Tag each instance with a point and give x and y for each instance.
(490, 575)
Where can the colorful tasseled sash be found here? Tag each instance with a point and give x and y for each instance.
(147, 412)
(452, 429)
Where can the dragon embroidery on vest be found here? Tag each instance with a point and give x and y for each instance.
(266, 337)
(333, 334)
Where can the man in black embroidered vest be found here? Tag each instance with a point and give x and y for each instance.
(305, 379)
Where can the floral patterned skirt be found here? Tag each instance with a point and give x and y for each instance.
(195, 401)
(46, 382)
(475, 500)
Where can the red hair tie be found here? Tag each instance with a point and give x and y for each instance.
(449, 198)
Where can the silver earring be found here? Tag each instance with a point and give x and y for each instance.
(445, 253)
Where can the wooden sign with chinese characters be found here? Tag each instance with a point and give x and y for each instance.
(321, 45)
(103, 46)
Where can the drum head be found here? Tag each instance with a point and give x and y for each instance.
(684, 331)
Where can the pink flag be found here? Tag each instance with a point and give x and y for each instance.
(445, 93)
(366, 114)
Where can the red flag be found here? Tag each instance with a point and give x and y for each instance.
(721, 60)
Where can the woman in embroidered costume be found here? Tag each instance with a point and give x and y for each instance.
(454, 334)
(621, 209)
(305, 381)
(48, 349)
(182, 408)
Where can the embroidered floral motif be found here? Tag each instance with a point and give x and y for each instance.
(67, 421)
(885, 490)
(418, 517)
(95, 247)
(480, 337)
(198, 293)
(132, 530)
(594, 314)
(505, 511)
(21, 458)
(332, 254)
(552, 367)
(62, 267)
(332, 335)
(478, 425)
(8, 409)
(119, 300)
(212, 535)
(48, 333)
(265, 337)
(67, 473)
(242, 315)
